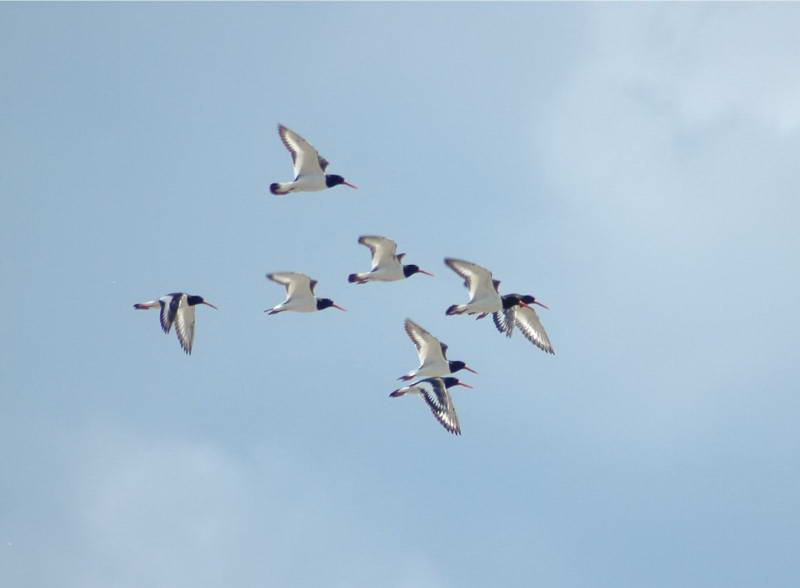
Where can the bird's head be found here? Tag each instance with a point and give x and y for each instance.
(460, 365)
(410, 270)
(520, 300)
(195, 300)
(332, 180)
(449, 382)
(323, 303)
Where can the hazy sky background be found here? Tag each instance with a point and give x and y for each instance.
(634, 167)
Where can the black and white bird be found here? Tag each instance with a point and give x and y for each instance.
(177, 308)
(309, 167)
(484, 298)
(517, 310)
(386, 262)
(433, 362)
(436, 395)
(299, 294)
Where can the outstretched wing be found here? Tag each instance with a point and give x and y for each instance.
(384, 251)
(477, 279)
(504, 320)
(184, 326)
(429, 348)
(297, 285)
(306, 159)
(441, 405)
(169, 309)
(528, 322)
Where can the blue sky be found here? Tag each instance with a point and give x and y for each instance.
(634, 167)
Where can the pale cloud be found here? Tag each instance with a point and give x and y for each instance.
(655, 119)
(154, 510)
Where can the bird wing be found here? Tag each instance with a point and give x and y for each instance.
(528, 322)
(504, 320)
(169, 308)
(306, 159)
(297, 285)
(184, 325)
(477, 279)
(441, 405)
(429, 348)
(384, 251)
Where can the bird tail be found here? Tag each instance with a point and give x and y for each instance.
(279, 189)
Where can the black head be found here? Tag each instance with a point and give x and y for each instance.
(332, 180)
(195, 300)
(459, 365)
(410, 270)
(323, 303)
(510, 300)
(450, 382)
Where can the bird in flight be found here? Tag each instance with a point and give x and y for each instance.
(386, 262)
(177, 308)
(300, 295)
(435, 393)
(309, 167)
(433, 362)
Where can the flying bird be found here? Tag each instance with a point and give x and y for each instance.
(517, 310)
(386, 262)
(299, 294)
(483, 295)
(436, 395)
(177, 308)
(309, 167)
(433, 362)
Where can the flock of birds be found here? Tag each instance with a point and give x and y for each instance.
(433, 378)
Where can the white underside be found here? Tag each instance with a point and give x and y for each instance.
(383, 274)
(302, 305)
(304, 184)
(484, 305)
(437, 369)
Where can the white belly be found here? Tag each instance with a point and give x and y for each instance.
(436, 369)
(387, 274)
(309, 184)
(485, 304)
